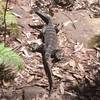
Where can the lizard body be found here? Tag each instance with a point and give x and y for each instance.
(50, 45)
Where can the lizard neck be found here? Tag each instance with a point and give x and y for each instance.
(50, 23)
(46, 18)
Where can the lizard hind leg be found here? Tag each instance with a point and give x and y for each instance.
(57, 55)
(47, 56)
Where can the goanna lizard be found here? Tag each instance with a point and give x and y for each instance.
(50, 46)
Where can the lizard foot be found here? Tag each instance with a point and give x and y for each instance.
(35, 47)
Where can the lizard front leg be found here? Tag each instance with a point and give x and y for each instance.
(35, 47)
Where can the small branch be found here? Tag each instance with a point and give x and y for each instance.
(70, 20)
(4, 21)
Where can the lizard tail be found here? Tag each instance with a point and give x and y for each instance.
(48, 72)
(45, 17)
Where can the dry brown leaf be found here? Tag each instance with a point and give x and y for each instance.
(25, 52)
(78, 47)
(17, 15)
(69, 22)
(69, 77)
(72, 63)
(6, 84)
(57, 73)
(64, 64)
(77, 76)
(62, 88)
(72, 94)
(80, 67)
(30, 79)
(28, 34)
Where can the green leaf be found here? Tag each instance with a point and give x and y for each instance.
(2, 4)
(9, 58)
(10, 18)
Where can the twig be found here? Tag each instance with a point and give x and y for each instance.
(4, 21)
(70, 20)
(72, 94)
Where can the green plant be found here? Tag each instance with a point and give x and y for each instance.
(11, 22)
(10, 63)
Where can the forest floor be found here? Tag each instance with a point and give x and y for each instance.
(77, 76)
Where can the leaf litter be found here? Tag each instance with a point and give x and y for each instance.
(76, 77)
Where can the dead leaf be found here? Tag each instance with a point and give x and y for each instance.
(17, 15)
(30, 79)
(25, 52)
(69, 77)
(69, 22)
(72, 63)
(57, 73)
(77, 76)
(62, 88)
(64, 64)
(6, 84)
(78, 47)
(80, 67)
(72, 94)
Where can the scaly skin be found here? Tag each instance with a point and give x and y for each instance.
(50, 45)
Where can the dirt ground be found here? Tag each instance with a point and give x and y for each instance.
(77, 75)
